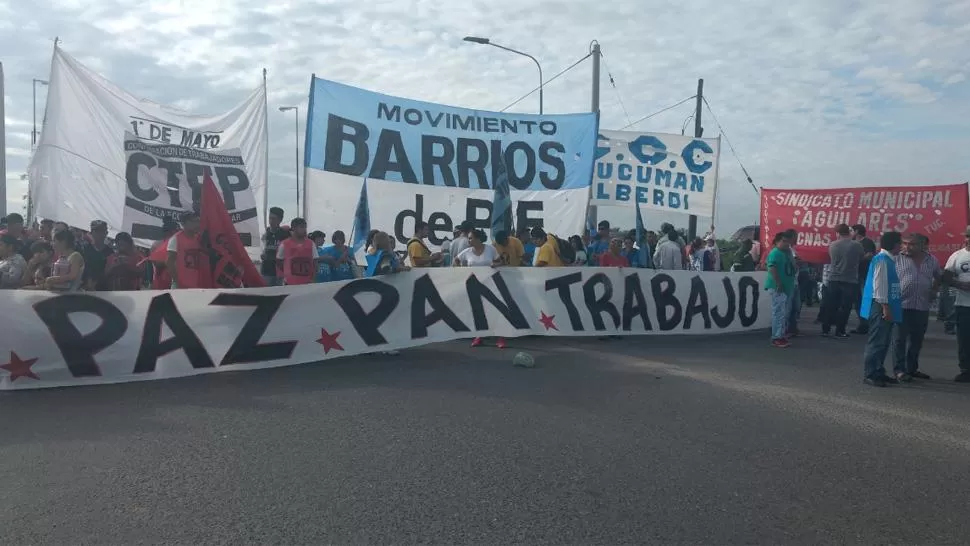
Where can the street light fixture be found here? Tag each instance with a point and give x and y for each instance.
(33, 134)
(296, 150)
(486, 41)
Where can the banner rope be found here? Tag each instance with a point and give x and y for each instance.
(658, 112)
(731, 146)
(547, 82)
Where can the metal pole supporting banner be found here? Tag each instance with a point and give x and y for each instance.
(591, 212)
(698, 133)
(265, 217)
(296, 150)
(3, 151)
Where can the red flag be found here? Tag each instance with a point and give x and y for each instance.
(229, 262)
(158, 254)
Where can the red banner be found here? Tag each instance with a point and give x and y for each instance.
(939, 212)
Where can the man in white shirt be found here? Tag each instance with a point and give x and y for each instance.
(670, 250)
(461, 239)
(956, 274)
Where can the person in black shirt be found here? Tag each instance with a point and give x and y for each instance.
(95, 253)
(859, 234)
(15, 228)
(272, 238)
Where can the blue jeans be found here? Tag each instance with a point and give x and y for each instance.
(877, 345)
(794, 310)
(780, 311)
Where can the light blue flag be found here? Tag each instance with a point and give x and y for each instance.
(361, 220)
(644, 250)
(502, 200)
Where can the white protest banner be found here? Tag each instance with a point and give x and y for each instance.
(104, 152)
(157, 187)
(671, 173)
(437, 163)
(88, 338)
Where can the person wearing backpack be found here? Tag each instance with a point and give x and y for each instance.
(550, 253)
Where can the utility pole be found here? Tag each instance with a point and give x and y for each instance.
(698, 133)
(592, 212)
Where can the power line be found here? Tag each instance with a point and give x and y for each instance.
(547, 82)
(658, 112)
(731, 146)
(615, 89)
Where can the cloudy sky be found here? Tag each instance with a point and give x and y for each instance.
(810, 93)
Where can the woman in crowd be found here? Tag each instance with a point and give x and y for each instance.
(577, 243)
(12, 264)
(631, 252)
(123, 271)
(613, 257)
(68, 269)
(478, 254)
(701, 258)
(382, 261)
(339, 258)
(39, 265)
(780, 283)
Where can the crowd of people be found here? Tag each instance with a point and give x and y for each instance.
(890, 287)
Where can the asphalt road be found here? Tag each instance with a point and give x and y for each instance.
(661, 440)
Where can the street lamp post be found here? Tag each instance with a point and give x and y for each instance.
(33, 134)
(296, 151)
(486, 41)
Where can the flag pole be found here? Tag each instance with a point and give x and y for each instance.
(717, 182)
(264, 217)
(3, 151)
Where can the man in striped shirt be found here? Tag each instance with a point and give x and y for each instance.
(919, 277)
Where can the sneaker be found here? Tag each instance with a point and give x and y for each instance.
(476, 342)
(890, 380)
(843, 335)
(964, 377)
(826, 334)
(919, 375)
(903, 377)
(780, 343)
(875, 381)
(500, 343)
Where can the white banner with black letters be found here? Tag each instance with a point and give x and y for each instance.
(49, 340)
(671, 173)
(107, 155)
(437, 163)
(164, 180)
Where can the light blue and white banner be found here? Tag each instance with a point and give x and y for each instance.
(436, 163)
(671, 173)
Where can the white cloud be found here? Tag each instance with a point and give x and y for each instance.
(954, 78)
(822, 93)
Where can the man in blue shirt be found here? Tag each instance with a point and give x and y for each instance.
(600, 244)
(638, 257)
(882, 305)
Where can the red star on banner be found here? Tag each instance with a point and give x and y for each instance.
(548, 321)
(19, 367)
(329, 341)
